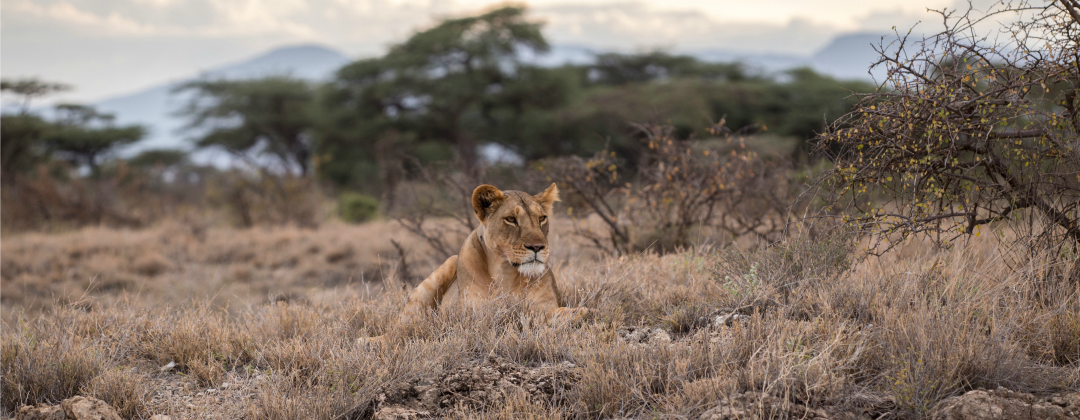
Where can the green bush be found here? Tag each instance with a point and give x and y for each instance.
(357, 208)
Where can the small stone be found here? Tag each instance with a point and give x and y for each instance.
(40, 412)
(400, 413)
(88, 408)
(728, 320)
(659, 336)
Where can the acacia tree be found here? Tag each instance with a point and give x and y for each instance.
(83, 136)
(21, 132)
(269, 116)
(968, 129)
(29, 89)
(621, 69)
(443, 84)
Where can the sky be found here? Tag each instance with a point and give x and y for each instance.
(110, 47)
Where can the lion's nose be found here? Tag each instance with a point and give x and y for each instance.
(535, 247)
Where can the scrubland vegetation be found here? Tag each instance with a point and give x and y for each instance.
(925, 247)
(804, 320)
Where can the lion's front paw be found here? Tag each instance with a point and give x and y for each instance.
(574, 315)
(372, 341)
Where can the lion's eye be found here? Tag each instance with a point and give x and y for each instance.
(543, 219)
(511, 220)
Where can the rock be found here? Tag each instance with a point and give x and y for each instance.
(644, 335)
(659, 336)
(74, 408)
(727, 320)
(88, 408)
(1004, 404)
(1069, 402)
(401, 413)
(40, 412)
(486, 383)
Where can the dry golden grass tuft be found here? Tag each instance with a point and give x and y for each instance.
(174, 263)
(802, 322)
(124, 390)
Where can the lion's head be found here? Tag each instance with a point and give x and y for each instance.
(516, 225)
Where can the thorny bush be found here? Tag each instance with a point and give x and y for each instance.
(684, 194)
(967, 130)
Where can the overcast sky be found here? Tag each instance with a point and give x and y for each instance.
(110, 47)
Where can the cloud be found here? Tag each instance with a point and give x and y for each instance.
(112, 46)
(67, 13)
(636, 25)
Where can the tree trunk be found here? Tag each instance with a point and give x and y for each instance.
(467, 152)
(390, 166)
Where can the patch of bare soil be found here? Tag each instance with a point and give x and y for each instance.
(181, 398)
(1002, 403)
(761, 406)
(475, 386)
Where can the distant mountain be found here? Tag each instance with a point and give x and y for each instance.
(847, 56)
(850, 56)
(312, 62)
(156, 106)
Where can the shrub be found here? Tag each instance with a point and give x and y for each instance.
(357, 208)
(38, 369)
(125, 391)
(683, 194)
(968, 132)
(265, 198)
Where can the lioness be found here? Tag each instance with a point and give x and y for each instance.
(507, 255)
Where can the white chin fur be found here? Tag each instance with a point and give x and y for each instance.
(532, 269)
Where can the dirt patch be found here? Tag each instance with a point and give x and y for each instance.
(475, 386)
(759, 405)
(180, 398)
(1002, 403)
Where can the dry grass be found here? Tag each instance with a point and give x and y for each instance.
(177, 262)
(883, 335)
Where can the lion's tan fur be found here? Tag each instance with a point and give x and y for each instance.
(506, 256)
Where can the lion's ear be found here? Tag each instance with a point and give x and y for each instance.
(548, 197)
(484, 200)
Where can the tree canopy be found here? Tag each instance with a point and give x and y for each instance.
(82, 135)
(468, 82)
(29, 89)
(452, 84)
(78, 134)
(268, 116)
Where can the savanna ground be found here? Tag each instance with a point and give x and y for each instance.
(212, 322)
